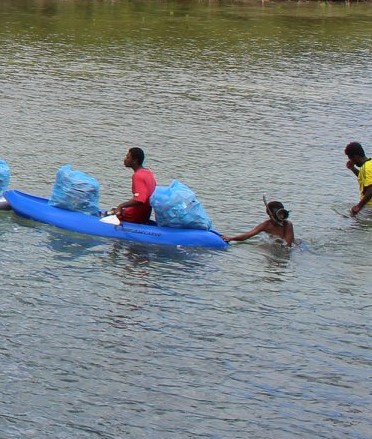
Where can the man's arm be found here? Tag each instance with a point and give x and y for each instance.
(363, 201)
(132, 202)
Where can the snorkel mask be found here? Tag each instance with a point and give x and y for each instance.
(276, 211)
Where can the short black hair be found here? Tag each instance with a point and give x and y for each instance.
(274, 205)
(275, 209)
(354, 149)
(137, 154)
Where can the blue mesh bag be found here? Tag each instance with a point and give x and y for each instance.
(176, 205)
(4, 176)
(75, 190)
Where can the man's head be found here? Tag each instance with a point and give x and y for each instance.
(134, 158)
(276, 211)
(355, 153)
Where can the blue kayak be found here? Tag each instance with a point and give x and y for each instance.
(38, 209)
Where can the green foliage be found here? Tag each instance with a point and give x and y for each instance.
(205, 24)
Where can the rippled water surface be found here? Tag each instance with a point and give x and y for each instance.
(104, 339)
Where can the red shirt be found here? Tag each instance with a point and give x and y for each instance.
(143, 185)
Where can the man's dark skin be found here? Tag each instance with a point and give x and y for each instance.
(359, 160)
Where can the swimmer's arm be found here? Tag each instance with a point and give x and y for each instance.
(289, 236)
(242, 237)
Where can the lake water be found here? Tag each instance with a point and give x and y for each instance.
(103, 339)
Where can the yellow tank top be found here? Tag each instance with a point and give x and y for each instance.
(365, 179)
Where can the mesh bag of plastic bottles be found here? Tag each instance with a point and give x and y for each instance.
(75, 190)
(176, 205)
(4, 176)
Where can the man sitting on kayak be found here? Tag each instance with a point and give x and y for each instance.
(138, 208)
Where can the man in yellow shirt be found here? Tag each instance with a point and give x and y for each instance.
(357, 157)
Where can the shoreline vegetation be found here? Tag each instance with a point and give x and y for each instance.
(52, 7)
(101, 22)
(53, 3)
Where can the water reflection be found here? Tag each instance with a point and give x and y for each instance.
(364, 218)
(67, 246)
(235, 101)
(5, 220)
(144, 253)
(158, 263)
(48, 8)
(64, 244)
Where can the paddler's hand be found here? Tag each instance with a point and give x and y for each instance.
(226, 238)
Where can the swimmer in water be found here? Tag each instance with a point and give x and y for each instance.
(277, 225)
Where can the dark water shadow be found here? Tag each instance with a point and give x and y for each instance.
(63, 242)
(139, 252)
(66, 245)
